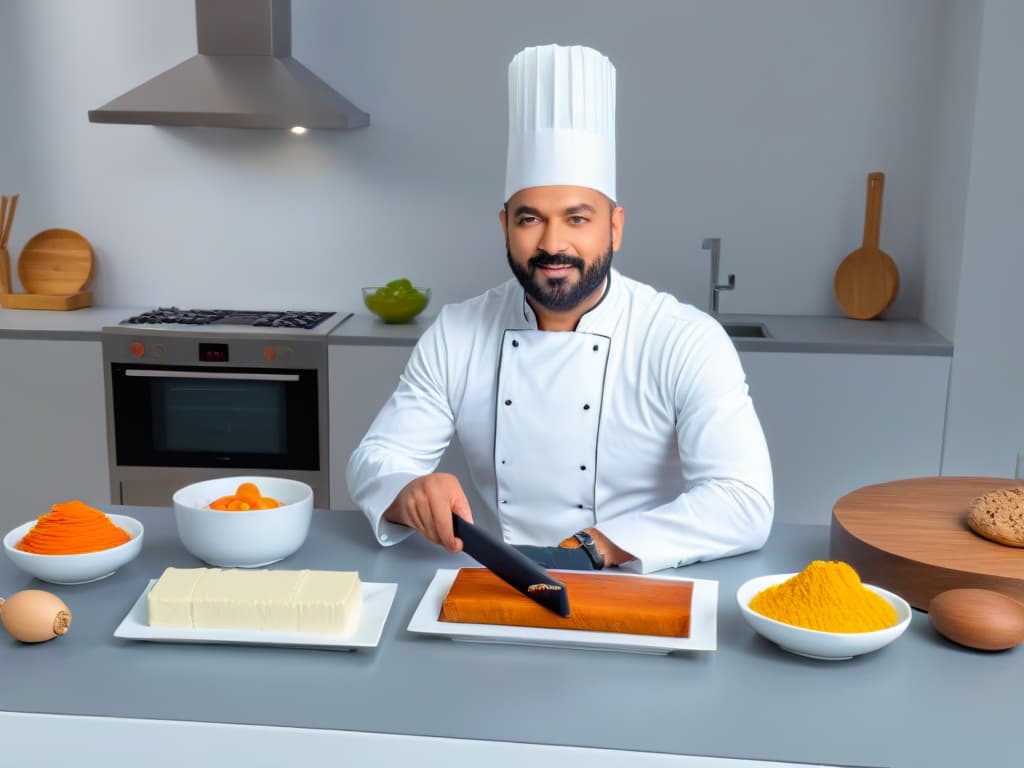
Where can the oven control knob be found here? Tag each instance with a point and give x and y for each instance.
(269, 353)
(157, 350)
(137, 349)
(287, 353)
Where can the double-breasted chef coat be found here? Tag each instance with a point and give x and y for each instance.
(638, 423)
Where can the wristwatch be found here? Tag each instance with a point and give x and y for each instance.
(590, 547)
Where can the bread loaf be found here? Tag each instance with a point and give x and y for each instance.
(597, 602)
(999, 516)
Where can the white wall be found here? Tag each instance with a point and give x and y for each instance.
(753, 121)
(11, 115)
(949, 163)
(985, 420)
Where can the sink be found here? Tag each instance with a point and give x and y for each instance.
(746, 330)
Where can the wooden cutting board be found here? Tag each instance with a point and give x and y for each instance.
(53, 267)
(55, 262)
(597, 602)
(867, 280)
(911, 537)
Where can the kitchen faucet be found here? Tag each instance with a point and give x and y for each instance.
(714, 245)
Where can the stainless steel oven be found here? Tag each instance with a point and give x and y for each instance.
(191, 404)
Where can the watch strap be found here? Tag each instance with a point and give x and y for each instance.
(588, 545)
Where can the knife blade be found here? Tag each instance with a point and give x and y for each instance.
(512, 566)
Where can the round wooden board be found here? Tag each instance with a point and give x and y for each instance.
(55, 262)
(911, 537)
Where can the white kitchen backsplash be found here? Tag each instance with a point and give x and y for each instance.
(753, 122)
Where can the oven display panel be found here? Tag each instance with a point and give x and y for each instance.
(213, 353)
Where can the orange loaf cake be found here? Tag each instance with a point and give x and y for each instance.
(597, 602)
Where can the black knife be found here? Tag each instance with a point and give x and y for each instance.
(513, 566)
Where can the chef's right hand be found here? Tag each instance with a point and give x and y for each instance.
(427, 504)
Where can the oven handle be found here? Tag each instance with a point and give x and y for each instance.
(151, 374)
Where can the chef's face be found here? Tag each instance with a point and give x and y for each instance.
(560, 242)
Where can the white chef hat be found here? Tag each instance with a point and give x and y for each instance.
(561, 119)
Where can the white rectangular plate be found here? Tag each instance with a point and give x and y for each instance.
(703, 624)
(377, 599)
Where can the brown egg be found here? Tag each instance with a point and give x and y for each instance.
(33, 616)
(978, 618)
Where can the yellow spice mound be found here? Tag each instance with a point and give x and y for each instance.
(826, 596)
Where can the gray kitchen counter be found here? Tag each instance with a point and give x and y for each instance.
(920, 701)
(843, 335)
(787, 333)
(80, 324)
(363, 329)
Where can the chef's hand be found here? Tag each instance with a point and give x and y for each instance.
(427, 503)
(613, 554)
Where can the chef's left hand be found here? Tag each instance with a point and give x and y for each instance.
(613, 554)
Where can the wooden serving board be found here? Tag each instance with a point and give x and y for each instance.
(911, 537)
(597, 602)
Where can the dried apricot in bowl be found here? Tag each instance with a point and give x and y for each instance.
(249, 540)
(246, 497)
(248, 491)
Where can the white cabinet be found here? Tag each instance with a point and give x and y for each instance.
(362, 378)
(836, 422)
(53, 445)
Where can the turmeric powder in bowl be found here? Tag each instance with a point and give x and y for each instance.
(826, 596)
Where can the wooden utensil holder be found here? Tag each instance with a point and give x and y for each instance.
(5, 275)
(11, 300)
(56, 301)
(43, 301)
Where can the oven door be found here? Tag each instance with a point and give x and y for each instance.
(182, 416)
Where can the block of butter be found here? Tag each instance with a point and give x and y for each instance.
(323, 602)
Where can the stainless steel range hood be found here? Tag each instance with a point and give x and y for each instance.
(243, 77)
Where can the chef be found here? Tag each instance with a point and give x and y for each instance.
(595, 413)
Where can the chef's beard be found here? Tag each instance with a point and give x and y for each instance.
(559, 295)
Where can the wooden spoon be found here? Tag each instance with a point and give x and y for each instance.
(10, 220)
(3, 221)
(6, 222)
(867, 280)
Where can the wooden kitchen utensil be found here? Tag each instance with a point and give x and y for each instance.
(6, 222)
(54, 267)
(911, 537)
(867, 280)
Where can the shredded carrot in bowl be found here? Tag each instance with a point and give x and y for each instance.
(72, 528)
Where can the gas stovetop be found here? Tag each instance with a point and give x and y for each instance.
(252, 318)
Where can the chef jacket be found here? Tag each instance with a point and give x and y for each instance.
(638, 423)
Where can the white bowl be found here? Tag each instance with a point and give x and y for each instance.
(76, 569)
(829, 646)
(243, 539)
